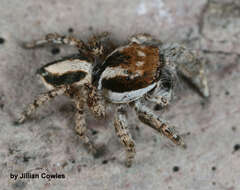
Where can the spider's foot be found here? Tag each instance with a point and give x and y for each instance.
(34, 44)
(91, 149)
(29, 45)
(178, 140)
(20, 120)
(172, 134)
(128, 163)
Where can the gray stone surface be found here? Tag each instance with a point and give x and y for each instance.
(48, 140)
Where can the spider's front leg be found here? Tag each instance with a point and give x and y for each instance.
(124, 134)
(55, 38)
(40, 100)
(151, 119)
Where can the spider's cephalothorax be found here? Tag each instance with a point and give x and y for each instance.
(143, 70)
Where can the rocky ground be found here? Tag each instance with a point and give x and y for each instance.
(48, 144)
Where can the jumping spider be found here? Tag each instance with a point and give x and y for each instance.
(143, 70)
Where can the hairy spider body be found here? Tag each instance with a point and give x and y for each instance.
(143, 70)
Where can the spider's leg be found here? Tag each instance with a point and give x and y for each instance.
(95, 43)
(151, 119)
(124, 134)
(80, 126)
(144, 38)
(81, 129)
(95, 102)
(188, 65)
(162, 97)
(55, 38)
(41, 99)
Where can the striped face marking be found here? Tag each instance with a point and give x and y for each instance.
(131, 68)
(66, 72)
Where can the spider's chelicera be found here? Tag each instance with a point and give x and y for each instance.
(140, 71)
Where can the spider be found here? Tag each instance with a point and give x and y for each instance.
(143, 70)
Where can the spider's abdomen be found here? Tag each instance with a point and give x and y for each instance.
(130, 71)
(72, 70)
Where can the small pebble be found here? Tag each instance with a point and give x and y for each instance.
(2, 40)
(234, 128)
(226, 93)
(90, 28)
(236, 147)
(175, 168)
(55, 51)
(104, 161)
(94, 132)
(70, 30)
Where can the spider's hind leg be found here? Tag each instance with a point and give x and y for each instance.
(146, 39)
(54, 38)
(40, 100)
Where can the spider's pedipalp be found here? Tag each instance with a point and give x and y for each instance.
(163, 92)
(161, 98)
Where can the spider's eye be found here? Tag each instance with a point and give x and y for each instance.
(167, 83)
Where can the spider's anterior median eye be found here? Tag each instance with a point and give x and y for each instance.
(167, 84)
